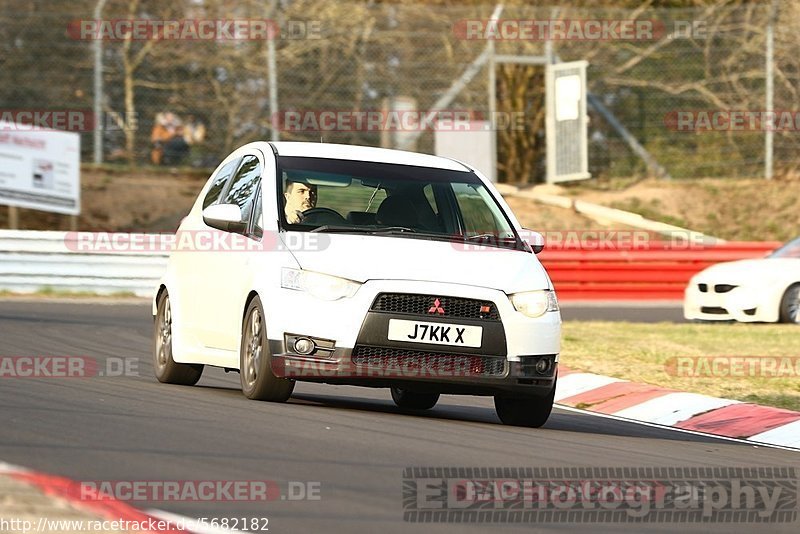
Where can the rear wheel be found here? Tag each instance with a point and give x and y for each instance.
(255, 360)
(166, 369)
(790, 305)
(530, 412)
(412, 400)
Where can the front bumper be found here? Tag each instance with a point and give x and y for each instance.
(517, 355)
(443, 373)
(738, 304)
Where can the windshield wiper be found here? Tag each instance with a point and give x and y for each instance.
(363, 229)
(394, 229)
(489, 236)
(341, 228)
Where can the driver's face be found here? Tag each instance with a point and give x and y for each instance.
(300, 197)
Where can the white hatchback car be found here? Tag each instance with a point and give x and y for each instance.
(759, 290)
(360, 266)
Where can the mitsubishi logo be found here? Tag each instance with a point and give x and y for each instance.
(436, 308)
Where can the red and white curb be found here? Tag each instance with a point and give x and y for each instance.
(111, 509)
(686, 411)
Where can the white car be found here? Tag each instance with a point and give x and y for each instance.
(759, 290)
(360, 266)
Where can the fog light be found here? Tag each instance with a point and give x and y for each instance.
(303, 345)
(542, 366)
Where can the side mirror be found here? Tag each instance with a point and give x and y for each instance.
(534, 239)
(226, 217)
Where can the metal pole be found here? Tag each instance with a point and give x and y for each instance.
(273, 90)
(549, 109)
(768, 133)
(492, 81)
(98, 87)
(13, 218)
(272, 76)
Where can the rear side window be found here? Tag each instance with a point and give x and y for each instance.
(243, 186)
(219, 183)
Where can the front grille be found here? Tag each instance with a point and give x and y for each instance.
(416, 362)
(456, 307)
(713, 310)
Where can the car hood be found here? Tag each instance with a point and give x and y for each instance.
(750, 271)
(370, 257)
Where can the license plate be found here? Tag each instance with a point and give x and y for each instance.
(458, 335)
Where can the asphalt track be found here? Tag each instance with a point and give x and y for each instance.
(353, 441)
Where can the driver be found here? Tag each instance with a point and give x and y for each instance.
(300, 197)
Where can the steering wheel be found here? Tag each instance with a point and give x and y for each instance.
(322, 216)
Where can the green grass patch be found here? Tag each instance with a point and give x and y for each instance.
(649, 353)
(48, 291)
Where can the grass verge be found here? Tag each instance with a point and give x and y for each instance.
(757, 363)
(49, 292)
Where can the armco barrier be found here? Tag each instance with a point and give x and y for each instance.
(30, 261)
(657, 271)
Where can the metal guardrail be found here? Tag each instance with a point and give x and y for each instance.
(655, 271)
(33, 261)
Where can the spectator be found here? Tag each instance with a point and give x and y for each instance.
(159, 137)
(175, 148)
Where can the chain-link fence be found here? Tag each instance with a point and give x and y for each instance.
(690, 88)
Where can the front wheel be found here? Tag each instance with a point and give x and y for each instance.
(166, 369)
(255, 360)
(412, 400)
(531, 412)
(790, 305)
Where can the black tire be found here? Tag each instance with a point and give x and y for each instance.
(531, 412)
(790, 305)
(255, 360)
(166, 369)
(412, 400)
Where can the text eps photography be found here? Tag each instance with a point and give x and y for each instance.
(600, 495)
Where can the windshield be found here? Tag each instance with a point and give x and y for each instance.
(789, 250)
(325, 195)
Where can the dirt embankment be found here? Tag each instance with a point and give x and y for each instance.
(128, 201)
(742, 210)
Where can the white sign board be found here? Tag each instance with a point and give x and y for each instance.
(40, 169)
(473, 146)
(566, 122)
(568, 97)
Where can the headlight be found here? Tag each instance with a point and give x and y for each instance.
(535, 303)
(321, 286)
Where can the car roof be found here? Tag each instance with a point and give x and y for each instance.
(366, 153)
